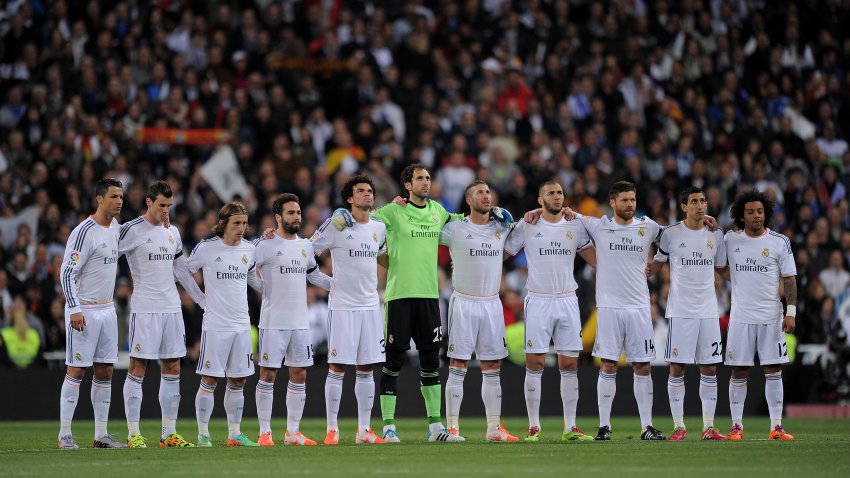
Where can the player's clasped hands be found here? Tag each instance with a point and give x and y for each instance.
(78, 321)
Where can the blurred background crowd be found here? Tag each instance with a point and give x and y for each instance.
(727, 95)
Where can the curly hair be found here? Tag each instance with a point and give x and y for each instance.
(752, 196)
(348, 188)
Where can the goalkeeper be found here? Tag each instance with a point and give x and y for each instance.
(411, 302)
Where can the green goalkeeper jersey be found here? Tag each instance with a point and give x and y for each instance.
(413, 235)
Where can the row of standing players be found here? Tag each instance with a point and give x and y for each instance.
(404, 237)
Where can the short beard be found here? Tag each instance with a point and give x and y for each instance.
(290, 229)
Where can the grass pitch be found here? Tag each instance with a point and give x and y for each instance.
(822, 448)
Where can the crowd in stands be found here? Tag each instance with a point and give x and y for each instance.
(722, 94)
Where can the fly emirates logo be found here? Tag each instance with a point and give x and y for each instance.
(626, 244)
(750, 265)
(697, 259)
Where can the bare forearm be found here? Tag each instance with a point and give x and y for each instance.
(790, 286)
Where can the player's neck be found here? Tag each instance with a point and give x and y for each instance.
(231, 241)
(151, 218)
(479, 218)
(102, 218)
(759, 233)
(419, 201)
(360, 215)
(623, 222)
(280, 232)
(694, 224)
(552, 217)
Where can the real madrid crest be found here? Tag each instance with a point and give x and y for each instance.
(641, 232)
(333, 352)
(709, 244)
(207, 364)
(498, 235)
(137, 347)
(675, 352)
(375, 236)
(78, 356)
(265, 357)
(434, 218)
(765, 252)
(244, 259)
(569, 234)
(171, 239)
(303, 253)
(451, 347)
(529, 344)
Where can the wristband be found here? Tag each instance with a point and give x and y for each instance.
(791, 311)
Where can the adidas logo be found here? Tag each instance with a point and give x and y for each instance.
(218, 259)
(538, 235)
(738, 249)
(103, 245)
(469, 236)
(350, 237)
(682, 245)
(149, 241)
(279, 253)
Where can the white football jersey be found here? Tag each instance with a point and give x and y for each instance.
(693, 256)
(90, 264)
(283, 264)
(622, 252)
(550, 249)
(151, 251)
(756, 264)
(354, 252)
(226, 270)
(477, 252)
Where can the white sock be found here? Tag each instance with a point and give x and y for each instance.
(101, 396)
(204, 402)
(643, 396)
(606, 388)
(491, 393)
(774, 394)
(708, 397)
(454, 396)
(569, 397)
(737, 397)
(132, 403)
(234, 403)
(169, 402)
(296, 397)
(333, 395)
(364, 390)
(68, 403)
(676, 395)
(264, 397)
(532, 396)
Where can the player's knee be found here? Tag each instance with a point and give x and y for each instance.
(269, 374)
(169, 366)
(429, 359)
(297, 374)
(395, 359)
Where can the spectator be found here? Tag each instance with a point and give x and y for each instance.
(835, 278)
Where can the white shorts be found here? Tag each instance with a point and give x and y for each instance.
(226, 353)
(476, 325)
(631, 329)
(295, 345)
(693, 341)
(356, 337)
(744, 340)
(552, 318)
(97, 342)
(156, 336)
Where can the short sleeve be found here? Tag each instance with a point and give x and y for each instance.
(720, 259)
(322, 239)
(447, 233)
(787, 268)
(663, 246)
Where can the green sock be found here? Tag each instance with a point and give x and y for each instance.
(433, 396)
(388, 409)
